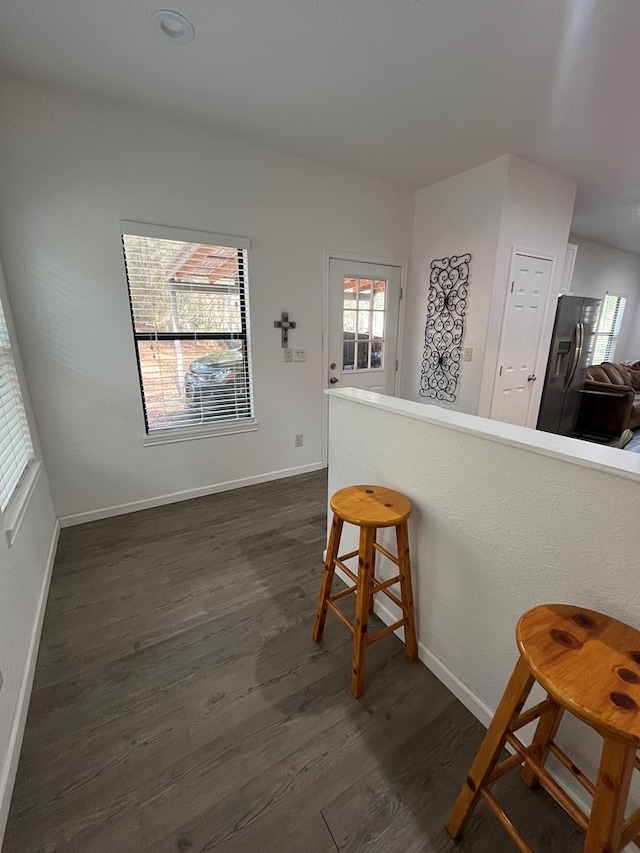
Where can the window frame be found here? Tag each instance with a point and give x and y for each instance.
(611, 339)
(370, 338)
(246, 423)
(21, 488)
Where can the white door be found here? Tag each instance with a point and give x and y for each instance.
(520, 341)
(364, 306)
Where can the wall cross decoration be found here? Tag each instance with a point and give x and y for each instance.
(284, 324)
(444, 329)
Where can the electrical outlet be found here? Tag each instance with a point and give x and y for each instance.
(299, 441)
(299, 355)
(288, 355)
(467, 353)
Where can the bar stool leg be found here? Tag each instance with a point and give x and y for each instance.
(610, 798)
(327, 577)
(373, 567)
(510, 706)
(546, 730)
(406, 591)
(363, 602)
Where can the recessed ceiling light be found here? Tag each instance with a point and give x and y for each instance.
(173, 26)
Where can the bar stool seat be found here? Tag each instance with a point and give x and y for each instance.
(369, 508)
(589, 665)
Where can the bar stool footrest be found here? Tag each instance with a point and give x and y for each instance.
(343, 593)
(532, 714)
(566, 762)
(381, 586)
(351, 575)
(549, 782)
(386, 631)
(495, 807)
(387, 554)
(630, 830)
(341, 616)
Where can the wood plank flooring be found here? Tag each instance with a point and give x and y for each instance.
(180, 705)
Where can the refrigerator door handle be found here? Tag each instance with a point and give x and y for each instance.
(580, 345)
(575, 344)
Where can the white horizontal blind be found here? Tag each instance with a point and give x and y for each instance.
(191, 329)
(16, 450)
(608, 328)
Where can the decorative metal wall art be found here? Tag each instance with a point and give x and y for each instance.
(284, 324)
(444, 330)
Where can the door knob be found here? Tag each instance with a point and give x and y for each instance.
(333, 380)
(531, 377)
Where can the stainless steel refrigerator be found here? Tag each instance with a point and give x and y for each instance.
(571, 350)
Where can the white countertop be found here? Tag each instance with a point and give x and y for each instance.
(584, 453)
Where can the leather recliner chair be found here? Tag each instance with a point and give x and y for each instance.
(616, 404)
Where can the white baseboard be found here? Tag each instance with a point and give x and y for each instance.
(464, 694)
(441, 671)
(186, 495)
(8, 777)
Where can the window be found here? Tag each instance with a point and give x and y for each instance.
(188, 296)
(363, 323)
(16, 450)
(609, 324)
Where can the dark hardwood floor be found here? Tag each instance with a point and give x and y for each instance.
(179, 703)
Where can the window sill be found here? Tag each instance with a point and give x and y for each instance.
(168, 436)
(18, 504)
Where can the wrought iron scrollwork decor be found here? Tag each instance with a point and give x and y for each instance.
(444, 330)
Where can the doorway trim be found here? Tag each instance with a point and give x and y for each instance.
(545, 256)
(331, 255)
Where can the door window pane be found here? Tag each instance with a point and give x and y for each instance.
(378, 324)
(348, 354)
(364, 294)
(377, 348)
(363, 355)
(380, 289)
(349, 321)
(351, 293)
(363, 324)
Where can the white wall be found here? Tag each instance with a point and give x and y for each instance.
(536, 217)
(74, 167)
(497, 528)
(600, 270)
(25, 569)
(487, 211)
(455, 216)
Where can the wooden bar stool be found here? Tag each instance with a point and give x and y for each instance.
(369, 508)
(589, 664)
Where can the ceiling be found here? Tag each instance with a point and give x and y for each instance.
(407, 91)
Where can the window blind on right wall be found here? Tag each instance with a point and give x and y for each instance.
(608, 328)
(16, 449)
